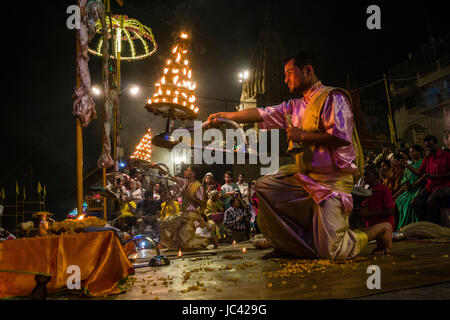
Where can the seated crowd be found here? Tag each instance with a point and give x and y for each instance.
(409, 186)
(228, 214)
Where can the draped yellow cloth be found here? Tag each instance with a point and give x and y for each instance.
(100, 256)
(310, 123)
(189, 197)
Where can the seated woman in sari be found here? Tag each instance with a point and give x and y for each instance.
(384, 166)
(395, 175)
(214, 204)
(413, 183)
(214, 212)
(210, 184)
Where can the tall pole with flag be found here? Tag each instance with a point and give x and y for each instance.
(390, 116)
(39, 190)
(17, 195)
(1, 204)
(79, 134)
(45, 194)
(23, 204)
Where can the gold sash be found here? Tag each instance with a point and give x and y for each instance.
(310, 123)
(189, 197)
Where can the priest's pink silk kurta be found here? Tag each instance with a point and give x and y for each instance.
(298, 214)
(336, 120)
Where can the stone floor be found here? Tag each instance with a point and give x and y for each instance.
(413, 270)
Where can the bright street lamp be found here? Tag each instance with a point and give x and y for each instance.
(96, 91)
(134, 90)
(243, 76)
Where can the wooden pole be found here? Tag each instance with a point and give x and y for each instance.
(105, 217)
(79, 146)
(17, 213)
(23, 205)
(391, 116)
(118, 91)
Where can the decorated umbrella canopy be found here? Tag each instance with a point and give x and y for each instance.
(130, 40)
(129, 34)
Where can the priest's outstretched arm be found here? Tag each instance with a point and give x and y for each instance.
(244, 116)
(252, 115)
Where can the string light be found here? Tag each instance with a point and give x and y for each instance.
(144, 150)
(179, 88)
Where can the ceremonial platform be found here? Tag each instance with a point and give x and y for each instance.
(411, 269)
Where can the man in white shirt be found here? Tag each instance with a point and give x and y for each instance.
(228, 189)
(243, 187)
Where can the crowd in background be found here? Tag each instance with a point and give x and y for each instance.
(407, 186)
(145, 200)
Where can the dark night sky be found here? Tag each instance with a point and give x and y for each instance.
(38, 129)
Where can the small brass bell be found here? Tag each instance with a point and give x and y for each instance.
(293, 147)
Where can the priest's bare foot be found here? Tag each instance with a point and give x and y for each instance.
(384, 240)
(261, 243)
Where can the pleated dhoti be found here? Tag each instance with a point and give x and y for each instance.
(294, 223)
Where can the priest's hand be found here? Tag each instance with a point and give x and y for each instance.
(213, 119)
(295, 134)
